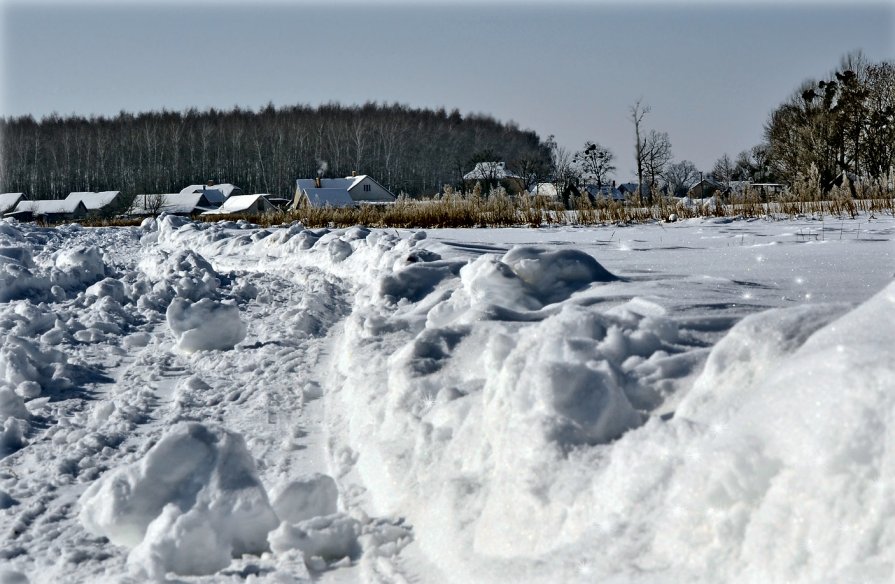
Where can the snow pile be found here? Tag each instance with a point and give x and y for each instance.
(191, 504)
(306, 498)
(205, 325)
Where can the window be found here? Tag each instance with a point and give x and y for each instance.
(367, 188)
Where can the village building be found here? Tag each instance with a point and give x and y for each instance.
(216, 193)
(705, 188)
(101, 203)
(49, 211)
(8, 201)
(340, 192)
(244, 204)
(171, 203)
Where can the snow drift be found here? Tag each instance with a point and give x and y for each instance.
(190, 505)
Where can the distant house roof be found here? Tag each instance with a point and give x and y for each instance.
(94, 201)
(488, 171)
(49, 207)
(241, 204)
(226, 190)
(705, 188)
(8, 201)
(544, 189)
(174, 203)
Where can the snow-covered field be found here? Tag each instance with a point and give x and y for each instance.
(703, 401)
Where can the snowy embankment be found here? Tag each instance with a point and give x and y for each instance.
(520, 413)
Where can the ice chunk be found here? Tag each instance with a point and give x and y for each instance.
(193, 502)
(205, 325)
(306, 498)
(331, 537)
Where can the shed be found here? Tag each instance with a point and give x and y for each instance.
(705, 188)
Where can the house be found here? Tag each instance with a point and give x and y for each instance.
(489, 171)
(339, 192)
(171, 203)
(105, 202)
(216, 193)
(49, 211)
(245, 204)
(706, 188)
(8, 201)
(630, 188)
(604, 192)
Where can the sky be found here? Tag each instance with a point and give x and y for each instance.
(710, 72)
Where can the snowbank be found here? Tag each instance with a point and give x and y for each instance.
(191, 504)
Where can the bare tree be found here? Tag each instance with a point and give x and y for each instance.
(680, 176)
(724, 170)
(638, 111)
(595, 161)
(656, 156)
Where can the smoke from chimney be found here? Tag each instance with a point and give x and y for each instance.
(322, 167)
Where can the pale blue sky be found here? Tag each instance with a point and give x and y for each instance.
(711, 73)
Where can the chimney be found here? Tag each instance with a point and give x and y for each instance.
(211, 183)
(317, 182)
(354, 172)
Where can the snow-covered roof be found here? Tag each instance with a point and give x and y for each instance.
(240, 203)
(330, 197)
(175, 203)
(489, 170)
(94, 201)
(9, 201)
(347, 183)
(48, 207)
(545, 189)
(226, 189)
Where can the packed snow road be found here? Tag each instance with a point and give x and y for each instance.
(703, 401)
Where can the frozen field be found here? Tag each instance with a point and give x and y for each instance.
(702, 401)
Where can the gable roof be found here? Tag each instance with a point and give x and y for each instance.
(94, 201)
(49, 207)
(9, 201)
(226, 189)
(240, 203)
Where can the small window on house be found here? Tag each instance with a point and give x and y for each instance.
(367, 188)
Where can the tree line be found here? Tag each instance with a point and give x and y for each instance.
(842, 123)
(410, 150)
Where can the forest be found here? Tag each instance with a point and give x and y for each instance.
(409, 150)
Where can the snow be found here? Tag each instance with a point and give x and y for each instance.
(242, 203)
(8, 201)
(704, 400)
(205, 325)
(94, 201)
